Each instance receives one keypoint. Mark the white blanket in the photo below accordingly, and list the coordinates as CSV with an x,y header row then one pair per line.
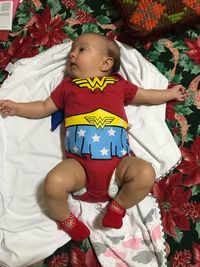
x,y
28,150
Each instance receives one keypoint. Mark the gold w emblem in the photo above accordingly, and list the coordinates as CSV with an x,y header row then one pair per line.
x,y
99,122
98,118
95,83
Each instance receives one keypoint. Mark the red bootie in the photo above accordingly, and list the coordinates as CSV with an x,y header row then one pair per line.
x,y
114,215
74,228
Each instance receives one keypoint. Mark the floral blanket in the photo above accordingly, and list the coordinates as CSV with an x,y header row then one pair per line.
x,y
39,25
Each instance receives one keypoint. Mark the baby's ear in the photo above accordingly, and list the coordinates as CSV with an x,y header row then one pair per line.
x,y
107,64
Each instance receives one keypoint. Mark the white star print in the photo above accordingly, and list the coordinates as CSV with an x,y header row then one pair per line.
x,y
96,138
67,133
104,152
123,152
75,149
111,132
81,132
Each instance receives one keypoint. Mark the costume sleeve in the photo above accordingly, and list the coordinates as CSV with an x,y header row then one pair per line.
x,y
58,94
130,91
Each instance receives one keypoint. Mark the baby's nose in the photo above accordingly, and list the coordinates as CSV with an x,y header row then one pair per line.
x,y
71,54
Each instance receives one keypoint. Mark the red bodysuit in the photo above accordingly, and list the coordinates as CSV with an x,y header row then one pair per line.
x,y
96,127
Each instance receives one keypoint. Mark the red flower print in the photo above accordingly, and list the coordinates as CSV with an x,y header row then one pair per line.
x,y
77,257
90,259
71,4
181,258
191,163
80,258
46,30
171,197
170,112
4,58
20,48
83,17
175,130
192,210
111,35
196,255
59,260
148,45
194,52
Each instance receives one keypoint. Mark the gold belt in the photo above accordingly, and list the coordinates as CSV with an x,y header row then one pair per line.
x,y
98,118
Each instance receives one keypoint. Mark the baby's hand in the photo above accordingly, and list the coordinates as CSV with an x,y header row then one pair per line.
x,y
8,108
179,93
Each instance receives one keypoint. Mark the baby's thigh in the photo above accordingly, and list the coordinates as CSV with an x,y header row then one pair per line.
x,y
67,176
131,168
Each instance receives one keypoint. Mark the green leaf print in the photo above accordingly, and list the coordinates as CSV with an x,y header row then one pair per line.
x,y
55,7
179,236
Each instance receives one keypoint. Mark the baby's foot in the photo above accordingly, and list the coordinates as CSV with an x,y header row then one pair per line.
x,y
114,215
74,228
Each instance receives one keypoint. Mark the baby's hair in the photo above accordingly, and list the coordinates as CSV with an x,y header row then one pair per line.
x,y
113,50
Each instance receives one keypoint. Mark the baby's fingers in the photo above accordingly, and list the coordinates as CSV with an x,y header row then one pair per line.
x,y
4,112
5,108
184,94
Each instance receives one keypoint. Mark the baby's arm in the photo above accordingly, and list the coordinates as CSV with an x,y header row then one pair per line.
x,y
155,97
32,110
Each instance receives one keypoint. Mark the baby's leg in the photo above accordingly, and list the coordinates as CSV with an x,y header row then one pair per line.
x,y
135,177
66,177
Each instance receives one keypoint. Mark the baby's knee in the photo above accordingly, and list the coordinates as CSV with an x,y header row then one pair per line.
x,y
53,185
148,170
147,175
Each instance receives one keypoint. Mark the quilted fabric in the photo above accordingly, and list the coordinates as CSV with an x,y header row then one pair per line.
x,y
144,17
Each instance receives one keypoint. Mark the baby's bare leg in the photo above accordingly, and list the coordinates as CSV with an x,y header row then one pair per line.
x,y
66,177
135,177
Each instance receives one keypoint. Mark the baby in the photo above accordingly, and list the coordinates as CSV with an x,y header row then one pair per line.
x,y
92,98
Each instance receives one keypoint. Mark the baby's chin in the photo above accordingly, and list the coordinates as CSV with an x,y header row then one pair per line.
x,y
73,76
76,75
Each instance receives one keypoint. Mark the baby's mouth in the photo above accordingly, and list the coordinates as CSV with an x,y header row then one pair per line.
x,y
72,64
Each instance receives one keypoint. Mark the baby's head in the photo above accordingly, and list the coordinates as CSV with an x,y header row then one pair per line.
x,y
93,55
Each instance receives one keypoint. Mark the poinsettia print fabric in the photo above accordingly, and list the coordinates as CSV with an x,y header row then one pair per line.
x,y
177,56
41,24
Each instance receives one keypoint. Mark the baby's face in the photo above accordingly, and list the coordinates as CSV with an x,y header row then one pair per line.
x,y
86,57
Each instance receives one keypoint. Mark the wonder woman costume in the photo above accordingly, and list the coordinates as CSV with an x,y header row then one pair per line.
x,y
96,125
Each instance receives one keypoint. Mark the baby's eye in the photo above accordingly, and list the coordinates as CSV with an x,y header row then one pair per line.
x,y
81,49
